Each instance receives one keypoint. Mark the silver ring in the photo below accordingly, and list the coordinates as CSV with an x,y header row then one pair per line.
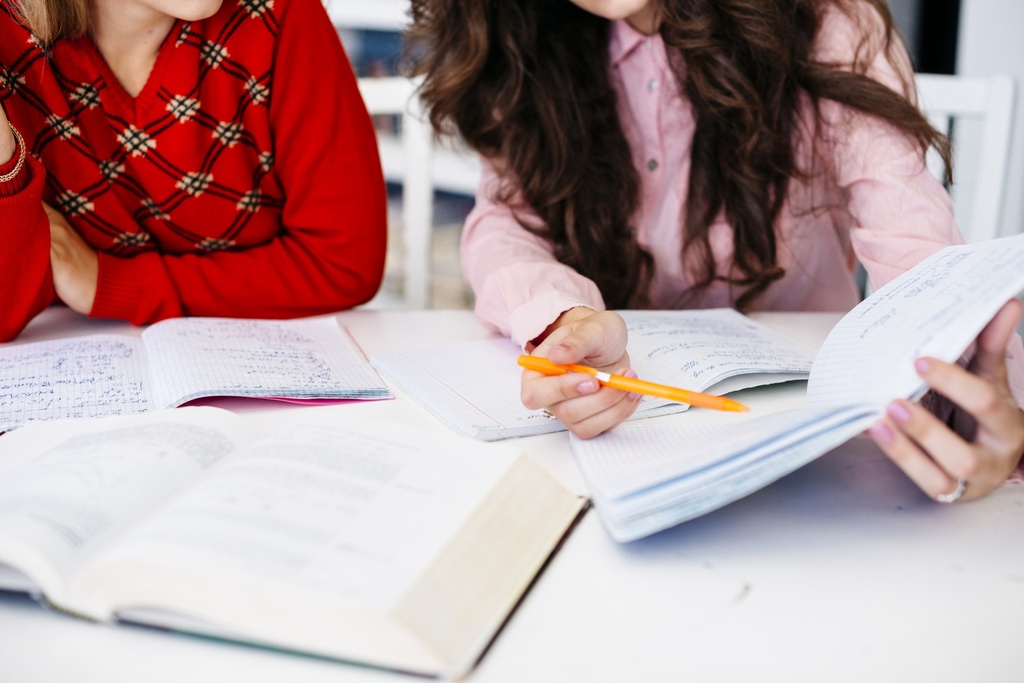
x,y
548,414
956,494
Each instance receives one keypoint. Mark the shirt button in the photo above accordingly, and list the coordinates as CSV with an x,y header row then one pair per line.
x,y
652,164
652,84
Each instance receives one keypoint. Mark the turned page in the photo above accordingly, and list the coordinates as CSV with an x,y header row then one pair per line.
x,y
69,489
326,509
935,309
80,377
313,358
718,349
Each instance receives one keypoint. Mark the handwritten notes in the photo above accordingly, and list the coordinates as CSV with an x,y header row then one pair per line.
x,y
473,387
936,309
649,477
68,378
179,360
697,349
228,357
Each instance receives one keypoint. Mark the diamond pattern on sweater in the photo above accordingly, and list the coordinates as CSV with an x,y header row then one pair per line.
x,y
194,183
136,142
146,168
86,95
256,8
73,204
183,108
63,128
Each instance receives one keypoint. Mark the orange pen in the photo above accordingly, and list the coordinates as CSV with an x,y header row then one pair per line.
x,y
693,398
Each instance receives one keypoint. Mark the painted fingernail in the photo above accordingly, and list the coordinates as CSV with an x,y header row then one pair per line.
x,y
898,412
922,365
881,433
588,386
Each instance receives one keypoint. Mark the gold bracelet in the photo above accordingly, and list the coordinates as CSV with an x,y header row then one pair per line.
x,y
20,141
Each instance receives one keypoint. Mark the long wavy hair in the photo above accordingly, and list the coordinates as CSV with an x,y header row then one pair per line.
x,y
53,19
527,83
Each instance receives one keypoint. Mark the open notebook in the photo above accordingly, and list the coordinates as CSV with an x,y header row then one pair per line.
x,y
473,387
647,477
178,360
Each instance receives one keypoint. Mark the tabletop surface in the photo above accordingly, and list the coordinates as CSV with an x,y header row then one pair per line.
x,y
841,571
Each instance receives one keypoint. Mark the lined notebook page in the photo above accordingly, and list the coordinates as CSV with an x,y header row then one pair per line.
x,y
936,309
311,358
699,349
474,387
79,377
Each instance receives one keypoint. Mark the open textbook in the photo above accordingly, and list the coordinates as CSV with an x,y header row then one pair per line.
x,y
473,387
178,360
355,540
644,478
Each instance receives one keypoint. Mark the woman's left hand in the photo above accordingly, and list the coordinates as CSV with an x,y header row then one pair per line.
x,y
988,441
75,264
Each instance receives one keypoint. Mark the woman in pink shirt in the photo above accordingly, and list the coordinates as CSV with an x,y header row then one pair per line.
x,y
694,153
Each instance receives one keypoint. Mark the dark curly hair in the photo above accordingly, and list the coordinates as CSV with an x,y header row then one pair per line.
x,y
526,82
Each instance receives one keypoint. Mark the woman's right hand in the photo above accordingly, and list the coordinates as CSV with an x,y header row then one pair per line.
x,y
8,146
598,339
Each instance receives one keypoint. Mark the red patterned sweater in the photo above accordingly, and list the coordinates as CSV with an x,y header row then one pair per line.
x,y
242,181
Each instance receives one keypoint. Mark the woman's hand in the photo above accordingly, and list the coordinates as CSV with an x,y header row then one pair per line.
x,y
75,265
8,146
988,440
584,336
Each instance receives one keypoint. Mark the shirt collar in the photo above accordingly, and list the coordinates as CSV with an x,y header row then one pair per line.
x,y
624,40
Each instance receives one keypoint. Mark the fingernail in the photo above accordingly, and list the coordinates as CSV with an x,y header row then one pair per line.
x,y
881,433
588,386
898,412
922,365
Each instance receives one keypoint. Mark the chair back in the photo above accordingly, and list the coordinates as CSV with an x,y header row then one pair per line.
x,y
977,114
407,158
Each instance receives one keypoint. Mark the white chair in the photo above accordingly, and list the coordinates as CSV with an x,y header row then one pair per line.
x,y
977,114
408,159
412,160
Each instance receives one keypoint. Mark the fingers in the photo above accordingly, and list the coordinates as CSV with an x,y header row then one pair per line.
x,y
579,401
927,451
594,423
990,361
598,339
987,400
932,454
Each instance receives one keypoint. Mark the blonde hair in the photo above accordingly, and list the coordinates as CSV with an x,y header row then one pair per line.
x,y
53,19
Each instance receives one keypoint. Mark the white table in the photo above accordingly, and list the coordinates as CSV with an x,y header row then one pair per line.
x,y
841,571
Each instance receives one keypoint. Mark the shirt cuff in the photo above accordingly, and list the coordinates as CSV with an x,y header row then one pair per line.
x,y
528,321
23,179
119,287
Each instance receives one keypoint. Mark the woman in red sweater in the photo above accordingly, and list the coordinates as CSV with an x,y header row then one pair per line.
x,y
162,158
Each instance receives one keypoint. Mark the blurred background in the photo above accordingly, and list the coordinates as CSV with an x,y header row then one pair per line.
x,y
967,37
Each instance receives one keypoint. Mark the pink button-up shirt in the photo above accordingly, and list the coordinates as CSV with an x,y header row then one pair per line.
x,y
868,198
